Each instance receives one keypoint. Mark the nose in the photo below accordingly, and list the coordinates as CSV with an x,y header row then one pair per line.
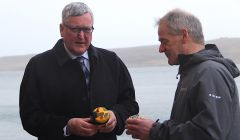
x,y
80,34
161,49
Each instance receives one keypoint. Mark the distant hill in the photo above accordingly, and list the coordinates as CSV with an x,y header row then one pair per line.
x,y
14,62
149,55
140,56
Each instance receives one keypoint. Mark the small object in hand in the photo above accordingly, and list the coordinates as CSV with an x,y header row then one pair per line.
x,y
135,116
100,115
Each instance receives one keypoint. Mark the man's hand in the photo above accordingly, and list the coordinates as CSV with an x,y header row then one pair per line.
x,y
81,127
139,128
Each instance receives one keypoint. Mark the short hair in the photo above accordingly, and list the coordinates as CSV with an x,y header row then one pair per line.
x,y
75,9
178,19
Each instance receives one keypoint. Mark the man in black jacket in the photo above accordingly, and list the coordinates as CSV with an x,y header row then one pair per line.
x,y
58,94
206,103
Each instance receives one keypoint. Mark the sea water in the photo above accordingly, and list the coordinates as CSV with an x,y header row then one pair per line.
x,y
154,86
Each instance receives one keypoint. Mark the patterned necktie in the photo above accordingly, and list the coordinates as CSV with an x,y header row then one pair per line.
x,y
84,68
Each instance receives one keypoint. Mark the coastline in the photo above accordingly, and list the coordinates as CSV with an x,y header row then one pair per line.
x,y
140,56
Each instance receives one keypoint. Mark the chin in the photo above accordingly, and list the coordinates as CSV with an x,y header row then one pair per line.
x,y
169,62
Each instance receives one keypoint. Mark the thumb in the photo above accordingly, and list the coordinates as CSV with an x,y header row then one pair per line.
x,y
87,119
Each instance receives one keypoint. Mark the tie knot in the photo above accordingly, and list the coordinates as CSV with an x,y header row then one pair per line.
x,y
81,59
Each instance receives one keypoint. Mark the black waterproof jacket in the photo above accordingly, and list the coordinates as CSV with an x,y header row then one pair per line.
x,y
206,104
53,90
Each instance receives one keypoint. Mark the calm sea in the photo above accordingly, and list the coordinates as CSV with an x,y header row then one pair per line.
x,y
155,87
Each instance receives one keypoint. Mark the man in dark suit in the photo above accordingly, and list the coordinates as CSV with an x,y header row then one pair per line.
x,y
58,94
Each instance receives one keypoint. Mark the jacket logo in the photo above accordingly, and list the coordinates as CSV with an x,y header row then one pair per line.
x,y
215,96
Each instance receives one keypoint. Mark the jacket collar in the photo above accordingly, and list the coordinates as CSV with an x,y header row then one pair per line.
x,y
62,56
93,55
211,52
60,52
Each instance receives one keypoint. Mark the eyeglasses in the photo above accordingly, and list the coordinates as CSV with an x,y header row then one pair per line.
x,y
86,30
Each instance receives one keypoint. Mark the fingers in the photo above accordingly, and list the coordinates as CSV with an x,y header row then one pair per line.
x,y
86,119
81,127
84,127
139,128
133,133
134,120
110,125
112,122
135,137
87,130
133,127
133,124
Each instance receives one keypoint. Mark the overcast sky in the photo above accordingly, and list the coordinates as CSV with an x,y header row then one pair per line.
x,y
30,26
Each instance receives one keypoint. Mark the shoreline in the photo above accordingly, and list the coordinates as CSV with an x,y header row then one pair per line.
x,y
135,57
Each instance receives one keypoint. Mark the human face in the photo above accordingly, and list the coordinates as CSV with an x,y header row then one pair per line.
x,y
77,33
169,44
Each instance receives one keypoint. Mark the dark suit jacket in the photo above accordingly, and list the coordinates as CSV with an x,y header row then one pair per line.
x,y
53,90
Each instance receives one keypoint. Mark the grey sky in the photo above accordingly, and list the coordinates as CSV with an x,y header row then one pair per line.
x,y
29,26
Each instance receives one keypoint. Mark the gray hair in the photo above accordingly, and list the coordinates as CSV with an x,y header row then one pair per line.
x,y
75,9
178,19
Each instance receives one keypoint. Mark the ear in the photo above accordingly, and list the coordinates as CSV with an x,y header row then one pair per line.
x,y
185,35
61,28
